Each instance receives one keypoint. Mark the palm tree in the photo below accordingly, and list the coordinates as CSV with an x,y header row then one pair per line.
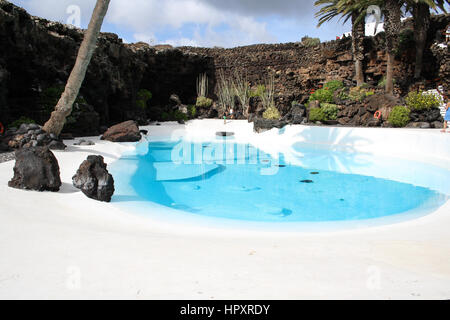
x,y
421,14
348,9
392,26
64,107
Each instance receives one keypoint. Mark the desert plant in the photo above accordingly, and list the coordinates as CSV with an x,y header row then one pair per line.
x,y
382,82
322,95
330,111
225,93
310,42
399,116
359,93
267,98
272,113
202,85
258,91
242,91
421,101
143,96
203,102
316,114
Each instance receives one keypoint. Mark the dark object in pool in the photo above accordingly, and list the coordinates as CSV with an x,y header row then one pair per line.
x,y
341,200
314,172
144,132
281,166
224,134
307,181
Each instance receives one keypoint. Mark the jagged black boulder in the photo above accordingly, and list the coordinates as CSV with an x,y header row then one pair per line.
x,y
37,169
93,179
261,124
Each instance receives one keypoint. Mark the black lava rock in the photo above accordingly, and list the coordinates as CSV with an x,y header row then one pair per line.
x,y
37,169
93,179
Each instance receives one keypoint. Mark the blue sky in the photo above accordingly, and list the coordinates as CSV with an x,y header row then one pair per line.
x,y
198,22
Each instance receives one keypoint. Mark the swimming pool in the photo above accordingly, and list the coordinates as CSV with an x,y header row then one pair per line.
x,y
226,179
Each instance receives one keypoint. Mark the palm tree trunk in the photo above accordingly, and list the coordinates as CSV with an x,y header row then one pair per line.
x,y
64,107
421,13
392,28
358,33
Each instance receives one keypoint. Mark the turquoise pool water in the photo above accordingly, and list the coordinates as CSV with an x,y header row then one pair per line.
x,y
223,179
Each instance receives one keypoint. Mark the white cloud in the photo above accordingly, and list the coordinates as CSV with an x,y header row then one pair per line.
x,y
143,19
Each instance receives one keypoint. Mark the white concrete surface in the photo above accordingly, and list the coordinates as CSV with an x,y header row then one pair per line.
x,y
64,245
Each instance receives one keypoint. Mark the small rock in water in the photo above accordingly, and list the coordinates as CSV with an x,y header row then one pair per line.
x,y
307,181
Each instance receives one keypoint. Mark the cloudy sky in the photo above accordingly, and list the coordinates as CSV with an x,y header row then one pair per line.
x,y
224,23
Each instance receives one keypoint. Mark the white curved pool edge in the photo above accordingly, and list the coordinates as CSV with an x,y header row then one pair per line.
x,y
277,141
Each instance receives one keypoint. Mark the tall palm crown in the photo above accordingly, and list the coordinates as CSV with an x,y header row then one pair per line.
x,y
348,9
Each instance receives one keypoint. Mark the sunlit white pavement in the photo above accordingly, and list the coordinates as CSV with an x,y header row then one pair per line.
x,y
64,245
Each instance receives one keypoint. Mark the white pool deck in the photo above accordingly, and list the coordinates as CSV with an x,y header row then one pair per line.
x,y
66,246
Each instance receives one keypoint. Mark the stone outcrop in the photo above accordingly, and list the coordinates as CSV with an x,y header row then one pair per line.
x,y
38,55
32,135
93,179
127,131
37,169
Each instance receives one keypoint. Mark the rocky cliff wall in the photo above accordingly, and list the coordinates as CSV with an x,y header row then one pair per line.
x,y
37,55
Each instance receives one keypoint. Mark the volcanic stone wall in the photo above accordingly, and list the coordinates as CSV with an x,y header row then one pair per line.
x,y
37,54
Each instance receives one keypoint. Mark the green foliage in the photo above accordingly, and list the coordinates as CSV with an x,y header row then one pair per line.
x,y
317,114
405,41
272,113
203,102
192,111
178,115
360,93
143,96
399,116
333,85
258,91
21,120
330,111
322,95
49,98
382,82
174,116
421,101
310,42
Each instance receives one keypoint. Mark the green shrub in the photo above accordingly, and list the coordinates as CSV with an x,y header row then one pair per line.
x,y
310,42
421,101
192,111
360,93
143,96
316,114
178,115
21,120
203,102
330,110
333,85
258,91
399,116
322,95
272,113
